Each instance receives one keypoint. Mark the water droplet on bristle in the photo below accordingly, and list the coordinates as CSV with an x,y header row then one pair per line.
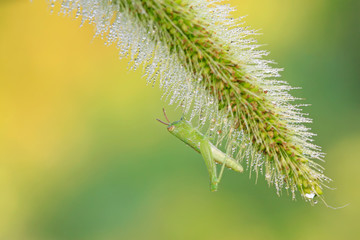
x,y
310,195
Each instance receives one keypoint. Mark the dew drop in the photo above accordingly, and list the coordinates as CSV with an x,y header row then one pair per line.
x,y
310,196
268,176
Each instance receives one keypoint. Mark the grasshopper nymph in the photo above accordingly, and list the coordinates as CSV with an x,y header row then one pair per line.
x,y
183,130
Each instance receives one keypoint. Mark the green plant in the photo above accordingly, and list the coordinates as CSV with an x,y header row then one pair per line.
x,y
208,63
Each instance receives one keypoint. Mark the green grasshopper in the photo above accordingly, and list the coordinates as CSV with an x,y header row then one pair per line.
x,y
183,130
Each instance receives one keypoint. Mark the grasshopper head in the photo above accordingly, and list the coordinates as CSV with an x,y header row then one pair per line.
x,y
174,126
177,126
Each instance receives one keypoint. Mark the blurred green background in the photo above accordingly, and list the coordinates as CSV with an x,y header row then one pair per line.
x,y
82,157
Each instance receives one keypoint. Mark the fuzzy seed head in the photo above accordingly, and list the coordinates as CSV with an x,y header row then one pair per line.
x,y
208,64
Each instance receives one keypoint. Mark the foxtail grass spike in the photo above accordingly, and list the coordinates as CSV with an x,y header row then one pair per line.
x,y
209,64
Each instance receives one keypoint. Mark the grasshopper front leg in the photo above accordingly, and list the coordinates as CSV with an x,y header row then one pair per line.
x,y
205,150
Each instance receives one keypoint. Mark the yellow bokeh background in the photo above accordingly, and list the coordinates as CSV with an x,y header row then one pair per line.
x,y
82,157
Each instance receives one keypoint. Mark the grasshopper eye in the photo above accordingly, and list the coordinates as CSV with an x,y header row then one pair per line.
x,y
171,128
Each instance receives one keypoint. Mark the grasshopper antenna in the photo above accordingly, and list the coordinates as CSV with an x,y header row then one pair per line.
x,y
162,122
167,124
165,115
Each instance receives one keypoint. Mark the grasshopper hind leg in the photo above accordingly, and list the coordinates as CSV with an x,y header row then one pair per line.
x,y
214,184
205,149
